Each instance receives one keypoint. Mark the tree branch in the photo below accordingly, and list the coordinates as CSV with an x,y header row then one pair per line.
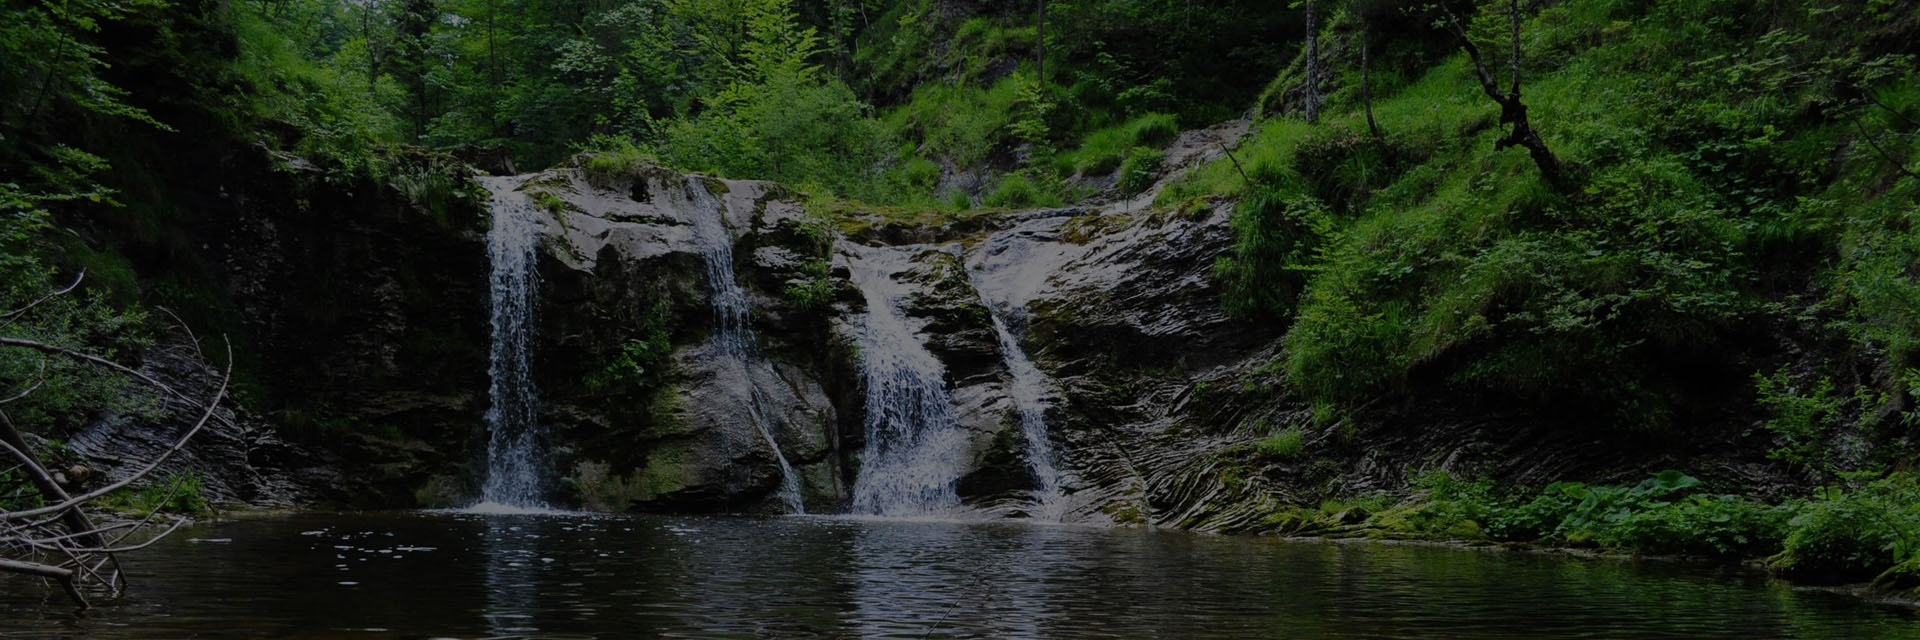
x,y
211,406
1884,154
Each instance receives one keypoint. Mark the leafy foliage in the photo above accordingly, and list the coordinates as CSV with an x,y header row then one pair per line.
x,y
1288,444
1854,534
1435,266
640,361
179,493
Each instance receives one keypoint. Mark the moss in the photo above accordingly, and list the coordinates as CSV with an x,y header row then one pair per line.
x,y
1084,229
440,492
599,490
551,203
665,473
1125,512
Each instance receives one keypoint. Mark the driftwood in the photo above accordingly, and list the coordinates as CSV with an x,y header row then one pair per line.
x,y
59,542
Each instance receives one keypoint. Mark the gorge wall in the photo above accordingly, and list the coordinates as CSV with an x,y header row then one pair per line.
x,y
922,358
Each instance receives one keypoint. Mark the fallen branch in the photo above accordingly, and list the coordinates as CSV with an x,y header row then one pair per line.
x,y
57,541
211,407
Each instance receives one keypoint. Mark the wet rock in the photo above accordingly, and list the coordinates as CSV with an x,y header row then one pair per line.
x,y
622,268
239,459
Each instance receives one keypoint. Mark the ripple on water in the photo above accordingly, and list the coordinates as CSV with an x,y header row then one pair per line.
x,y
470,576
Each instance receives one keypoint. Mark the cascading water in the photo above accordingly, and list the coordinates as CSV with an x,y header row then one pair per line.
x,y
1009,269
516,446
914,442
1031,393
733,338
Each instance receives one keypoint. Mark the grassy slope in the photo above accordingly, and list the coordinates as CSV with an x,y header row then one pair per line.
x,y
1736,255
1718,198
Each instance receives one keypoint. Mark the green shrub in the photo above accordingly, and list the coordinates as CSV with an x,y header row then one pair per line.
x,y
1441,507
1153,130
1806,416
1102,151
552,204
815,291
608,160
1702,525
640,360
963,123
1288,444
1660,515
1453,505
1853,535
180,493
1276,240
1540,517
1014,191
920,172
1139,169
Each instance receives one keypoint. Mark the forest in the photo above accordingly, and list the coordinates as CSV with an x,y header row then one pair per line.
x,y
1616,278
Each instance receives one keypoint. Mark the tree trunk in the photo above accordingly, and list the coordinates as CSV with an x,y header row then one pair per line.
x,y
75,520
1366,81
493,65
1313,62
1513,112
1040,43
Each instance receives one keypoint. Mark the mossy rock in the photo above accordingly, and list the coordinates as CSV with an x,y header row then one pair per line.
x,y
667,472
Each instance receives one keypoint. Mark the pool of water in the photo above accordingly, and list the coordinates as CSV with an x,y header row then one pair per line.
x,y
434,575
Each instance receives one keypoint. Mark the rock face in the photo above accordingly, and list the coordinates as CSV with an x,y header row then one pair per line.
x,y
358,324
1071,364
237,457
628,359
634,385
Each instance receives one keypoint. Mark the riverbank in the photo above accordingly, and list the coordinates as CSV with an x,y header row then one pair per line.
x,y
1854,539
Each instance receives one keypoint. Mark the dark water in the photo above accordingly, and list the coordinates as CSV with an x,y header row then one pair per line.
x,y
462,576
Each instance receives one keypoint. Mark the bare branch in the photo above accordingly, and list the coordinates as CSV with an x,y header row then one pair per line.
x,y
1480,72
57,574
148,543
1884,154
42,379
90,532
1513,19
8,317
182,325
211,407
86,561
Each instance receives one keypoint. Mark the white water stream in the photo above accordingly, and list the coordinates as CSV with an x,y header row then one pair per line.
x,y
733,339
516,447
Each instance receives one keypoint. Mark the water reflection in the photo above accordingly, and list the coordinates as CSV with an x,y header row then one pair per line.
x,y
469,576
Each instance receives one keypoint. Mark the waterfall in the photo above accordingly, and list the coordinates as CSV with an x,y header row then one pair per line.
x,y
1030,390
1010,269
733,338
914,444
516,445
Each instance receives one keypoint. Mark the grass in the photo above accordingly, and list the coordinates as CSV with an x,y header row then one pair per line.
x,y
178,494
1844,535
1428,249
1102,151
1288,444
1140,168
